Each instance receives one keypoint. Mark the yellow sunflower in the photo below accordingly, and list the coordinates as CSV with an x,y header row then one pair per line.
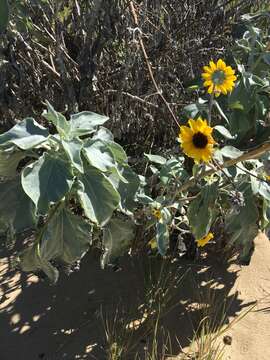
x,y
219,78
203,241
156,213
196,140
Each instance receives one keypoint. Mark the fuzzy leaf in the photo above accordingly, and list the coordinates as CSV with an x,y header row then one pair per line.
x,y
46,181
97,195
242,226
99,155
118,152
26,135
157,159
85,122
260,187
162,235
224,132
59,120
9,161
127,189
67,237
201,211
73,150
117,237
16,208
103,134
230,152
30,260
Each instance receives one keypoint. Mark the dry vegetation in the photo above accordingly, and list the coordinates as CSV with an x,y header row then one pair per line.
x,y
86,55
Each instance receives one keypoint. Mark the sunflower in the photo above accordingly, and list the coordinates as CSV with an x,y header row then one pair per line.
x,y
203,241
196,140
219,78
156,213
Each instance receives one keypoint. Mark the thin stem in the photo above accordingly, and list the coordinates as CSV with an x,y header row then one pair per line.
x,y
252,154
211,106
251,174
223,172
146,58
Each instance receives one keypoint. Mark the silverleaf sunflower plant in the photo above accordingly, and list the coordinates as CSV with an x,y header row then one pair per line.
x,y
216,190
65,191
73,189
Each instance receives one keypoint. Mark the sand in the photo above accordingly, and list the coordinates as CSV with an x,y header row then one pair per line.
x,y
64,321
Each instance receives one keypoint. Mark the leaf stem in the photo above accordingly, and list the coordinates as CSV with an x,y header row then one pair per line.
x,y
211,106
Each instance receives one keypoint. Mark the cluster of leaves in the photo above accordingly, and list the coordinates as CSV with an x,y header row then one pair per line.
x,y
68,186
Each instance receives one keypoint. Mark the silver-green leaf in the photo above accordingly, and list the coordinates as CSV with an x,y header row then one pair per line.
x,y
85,122
97,195
73,149
9,161
26,135
162,236
46,181
117,237
59,120
99,155
16,208
201,211
67,237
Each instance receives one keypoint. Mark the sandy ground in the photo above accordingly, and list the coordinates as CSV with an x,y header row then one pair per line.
x,y
41,321
251,335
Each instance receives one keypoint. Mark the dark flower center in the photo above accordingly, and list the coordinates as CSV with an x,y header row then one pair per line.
x,y
200,140
218,77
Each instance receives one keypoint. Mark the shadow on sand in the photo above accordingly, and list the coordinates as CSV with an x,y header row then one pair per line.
x,y
62,321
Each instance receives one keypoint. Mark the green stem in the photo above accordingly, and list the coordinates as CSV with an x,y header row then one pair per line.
x,y
211,106
252,154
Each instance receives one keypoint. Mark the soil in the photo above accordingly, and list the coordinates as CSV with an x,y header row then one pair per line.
x,y
66,320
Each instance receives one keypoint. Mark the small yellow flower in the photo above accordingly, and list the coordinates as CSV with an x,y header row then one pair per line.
x,y
203,241
267,177
156,213
153,244
219,78
196,140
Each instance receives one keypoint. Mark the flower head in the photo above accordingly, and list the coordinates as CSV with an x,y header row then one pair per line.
x,y
156,213
219,78
153,244
196,140
203,241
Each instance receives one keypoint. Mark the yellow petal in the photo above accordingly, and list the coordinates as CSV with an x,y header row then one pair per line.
x,y
229,71
212,65
221,65
203,241
210,89
193,125
207,69
206,76
185,134
223,89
